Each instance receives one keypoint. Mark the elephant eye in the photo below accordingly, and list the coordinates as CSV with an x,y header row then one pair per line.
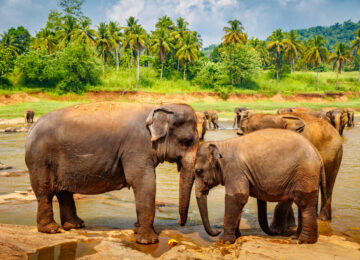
x,y
187,142
199,172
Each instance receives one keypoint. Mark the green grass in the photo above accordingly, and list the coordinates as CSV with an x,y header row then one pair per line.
x,y
40,108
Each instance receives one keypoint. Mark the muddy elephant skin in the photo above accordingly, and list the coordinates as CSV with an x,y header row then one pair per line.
x,y
29,116
105,146
322,135
201,124
212,118
252,165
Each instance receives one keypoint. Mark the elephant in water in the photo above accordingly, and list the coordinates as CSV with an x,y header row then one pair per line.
x,y
212,118
201,124
337,118
350,113
29,116
237,115
105,146
322,135
254,165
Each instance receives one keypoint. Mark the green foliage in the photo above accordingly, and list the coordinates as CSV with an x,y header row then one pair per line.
x,y
18,38
211,75
6,60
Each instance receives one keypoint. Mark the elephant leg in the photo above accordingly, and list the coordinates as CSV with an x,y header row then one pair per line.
x,y
308,228
299,228
279,223
234,205
68,216
144,191
45,215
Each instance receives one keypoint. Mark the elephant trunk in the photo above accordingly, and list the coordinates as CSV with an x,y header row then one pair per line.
x,y
202,204
262,217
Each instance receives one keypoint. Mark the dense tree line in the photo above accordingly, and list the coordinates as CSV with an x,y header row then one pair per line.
x,y
70,53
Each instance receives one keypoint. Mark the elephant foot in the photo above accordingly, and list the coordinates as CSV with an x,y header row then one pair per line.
x,y
278,229
303,239
146,236
237,233
227,239
73,223
324,215
136,228
51,228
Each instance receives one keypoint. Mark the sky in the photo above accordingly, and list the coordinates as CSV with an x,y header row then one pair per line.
x,y
208,17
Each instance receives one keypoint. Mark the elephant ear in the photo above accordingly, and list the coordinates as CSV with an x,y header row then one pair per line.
x,y
294,123
216,155
158,122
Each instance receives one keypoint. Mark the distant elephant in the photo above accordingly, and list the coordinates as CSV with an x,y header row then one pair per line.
x,y
254,165
350,113
201,124
100,147
237,116
337,118
212,118
29,116
321,134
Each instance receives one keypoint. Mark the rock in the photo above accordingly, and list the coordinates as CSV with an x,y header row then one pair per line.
x,y
15,129
4,167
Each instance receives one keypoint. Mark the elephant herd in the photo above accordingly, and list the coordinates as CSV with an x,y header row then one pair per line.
x,y
99,147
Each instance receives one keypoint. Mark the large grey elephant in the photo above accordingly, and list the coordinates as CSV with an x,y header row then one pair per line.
x,y
100,147
322,135
255,165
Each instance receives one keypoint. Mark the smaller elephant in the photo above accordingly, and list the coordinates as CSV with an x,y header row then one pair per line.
x,y
237,115
337,118
29,116
201,124
212,118
350,114
253,166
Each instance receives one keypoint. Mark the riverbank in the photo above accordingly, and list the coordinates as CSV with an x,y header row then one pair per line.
x,y
19,242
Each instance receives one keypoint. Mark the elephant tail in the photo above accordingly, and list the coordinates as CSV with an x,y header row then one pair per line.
x,y
262,217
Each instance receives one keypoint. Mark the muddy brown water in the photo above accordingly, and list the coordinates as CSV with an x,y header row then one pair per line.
x,y
117,209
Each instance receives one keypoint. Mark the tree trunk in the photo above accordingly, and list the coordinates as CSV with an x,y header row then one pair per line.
x,y
277,65
337,78
178,66
359,72
317,76
117,58
138,67
292,65
162,67
185,71
102,63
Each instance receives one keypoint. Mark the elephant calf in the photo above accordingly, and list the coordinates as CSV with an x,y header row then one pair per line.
x,y
201,124
29,116
255,165
212,118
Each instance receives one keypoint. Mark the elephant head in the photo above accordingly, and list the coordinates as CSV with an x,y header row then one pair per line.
x,y
338,119
284,110
350,114
208,174
175,139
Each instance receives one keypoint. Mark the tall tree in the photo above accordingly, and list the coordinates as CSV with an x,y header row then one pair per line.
x,y
161,42
68,29
131,22
293,47
316,53
355,45
103,43
139,37
83,33
17,39
166,23
115,39
233,35
277,43
72,7
179,32
45,40
189,50
341,56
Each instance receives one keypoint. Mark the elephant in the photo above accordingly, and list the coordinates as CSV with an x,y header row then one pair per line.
x,y
29,116
212,118
254,165
322,135
350,114
337,118
201,124
293,109
99,147
237,115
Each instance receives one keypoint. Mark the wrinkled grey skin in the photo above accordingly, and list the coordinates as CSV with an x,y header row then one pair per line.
x,y
237,115
29,116
212,118
100,147
254,165
350,113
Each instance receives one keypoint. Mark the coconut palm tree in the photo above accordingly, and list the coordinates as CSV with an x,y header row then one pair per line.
x,y
355,45
181,29
293,47
138,39
103,42
115,39
341,56
189,50
277,43
84,34
127,41
161,42
45,40
165,22
67,31
316,53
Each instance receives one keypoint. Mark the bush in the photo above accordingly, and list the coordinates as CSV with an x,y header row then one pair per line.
x,y
211,74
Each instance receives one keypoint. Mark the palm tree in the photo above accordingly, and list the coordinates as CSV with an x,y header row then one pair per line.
x,y
67,31
355,45
233,35
139,37
316,53
131,22
161,42
84,34
103,42
341,56
115,40
165,23
189,50
45,40
293,48
277,43
181,29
